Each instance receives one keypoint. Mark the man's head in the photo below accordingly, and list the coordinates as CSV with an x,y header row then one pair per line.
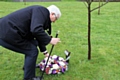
x,y
54,12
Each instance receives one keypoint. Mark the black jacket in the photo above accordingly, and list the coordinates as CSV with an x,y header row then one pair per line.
x,y
25,25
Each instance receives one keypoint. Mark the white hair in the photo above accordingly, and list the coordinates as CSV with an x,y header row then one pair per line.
x,y
54,9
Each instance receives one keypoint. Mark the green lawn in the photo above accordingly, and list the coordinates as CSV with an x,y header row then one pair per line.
x,y
105,38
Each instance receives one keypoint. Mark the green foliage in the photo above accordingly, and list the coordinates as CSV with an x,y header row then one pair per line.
x,y
105,37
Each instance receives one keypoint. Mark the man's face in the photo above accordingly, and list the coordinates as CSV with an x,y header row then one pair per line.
x,y
53,17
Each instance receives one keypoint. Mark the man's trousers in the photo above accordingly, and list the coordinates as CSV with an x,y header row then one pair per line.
x,y
30,53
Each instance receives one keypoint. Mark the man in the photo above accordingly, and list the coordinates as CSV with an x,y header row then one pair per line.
x,y
23,30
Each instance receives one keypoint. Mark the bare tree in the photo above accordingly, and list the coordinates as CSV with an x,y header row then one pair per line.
x,y
101,3
24,2
88,5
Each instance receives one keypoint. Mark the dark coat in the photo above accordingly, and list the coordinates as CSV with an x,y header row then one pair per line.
x,y
24,25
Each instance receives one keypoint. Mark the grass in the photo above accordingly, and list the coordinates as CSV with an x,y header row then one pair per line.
x,y
105,38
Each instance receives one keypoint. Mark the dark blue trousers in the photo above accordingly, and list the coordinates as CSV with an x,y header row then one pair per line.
x,y
30,56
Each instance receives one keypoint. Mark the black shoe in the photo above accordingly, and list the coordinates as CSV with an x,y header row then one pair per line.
x,y
35,78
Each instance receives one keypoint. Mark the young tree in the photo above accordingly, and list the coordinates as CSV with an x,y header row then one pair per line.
x,y
101,3
24,2
88,5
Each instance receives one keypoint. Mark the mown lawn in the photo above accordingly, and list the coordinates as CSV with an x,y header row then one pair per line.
x,y
105,39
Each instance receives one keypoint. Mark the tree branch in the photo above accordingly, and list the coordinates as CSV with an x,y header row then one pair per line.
x,y
87,1
99,6
85,4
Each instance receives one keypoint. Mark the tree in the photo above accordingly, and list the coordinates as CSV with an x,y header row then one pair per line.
x,y
88,5
101,4
24,2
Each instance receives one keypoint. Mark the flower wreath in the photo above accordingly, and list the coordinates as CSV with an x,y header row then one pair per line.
x,y
56,64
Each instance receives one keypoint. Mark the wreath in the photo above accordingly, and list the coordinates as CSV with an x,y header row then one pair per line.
x,y
56,64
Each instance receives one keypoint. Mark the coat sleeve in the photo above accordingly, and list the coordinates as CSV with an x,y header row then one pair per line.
x,y
37,27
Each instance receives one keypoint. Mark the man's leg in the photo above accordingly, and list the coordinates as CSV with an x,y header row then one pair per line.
x,y
30,63
30,57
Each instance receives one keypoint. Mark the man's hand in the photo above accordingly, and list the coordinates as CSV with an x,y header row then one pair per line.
x,y
54,41
46,55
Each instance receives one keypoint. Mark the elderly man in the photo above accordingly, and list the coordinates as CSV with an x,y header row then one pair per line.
x,y
25,29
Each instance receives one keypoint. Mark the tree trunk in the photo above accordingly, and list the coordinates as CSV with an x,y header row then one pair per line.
x,y
24,2
99,8
89,31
